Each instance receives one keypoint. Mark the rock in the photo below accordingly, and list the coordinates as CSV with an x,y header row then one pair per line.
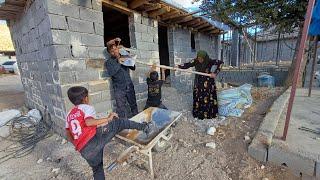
x,y
211,145
265,179
63,141
211,131
194,151
39,161
262,166
49,159
57,138
55,170
247,138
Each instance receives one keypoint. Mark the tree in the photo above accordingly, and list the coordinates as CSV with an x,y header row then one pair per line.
x,y
283,15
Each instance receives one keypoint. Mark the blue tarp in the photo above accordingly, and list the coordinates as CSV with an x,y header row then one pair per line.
x,y
314,28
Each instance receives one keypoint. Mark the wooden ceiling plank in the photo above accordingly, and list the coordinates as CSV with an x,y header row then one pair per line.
x,y
207,29
137,3
118,7
182,19
158,12
122,3
202,26
153,7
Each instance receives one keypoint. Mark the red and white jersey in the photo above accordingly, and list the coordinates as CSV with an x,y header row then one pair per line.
x,y
75,123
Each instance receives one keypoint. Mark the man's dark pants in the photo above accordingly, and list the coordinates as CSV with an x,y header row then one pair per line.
x,y
93,150
123,96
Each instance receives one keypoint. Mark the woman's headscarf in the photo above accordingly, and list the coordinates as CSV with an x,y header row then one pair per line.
x,y
201,67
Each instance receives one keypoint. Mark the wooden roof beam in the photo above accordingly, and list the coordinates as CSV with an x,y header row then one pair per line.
x,y
215,31
199,23
207,29
206,24
118,7
192,22
120,2
153,7
185,19
158,12
137,3
171,15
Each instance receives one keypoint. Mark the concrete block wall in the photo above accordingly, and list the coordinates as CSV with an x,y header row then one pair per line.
x,y
180,52
37,62
267,50
144,38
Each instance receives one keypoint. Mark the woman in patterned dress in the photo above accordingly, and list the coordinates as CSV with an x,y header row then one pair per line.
x,y
205,104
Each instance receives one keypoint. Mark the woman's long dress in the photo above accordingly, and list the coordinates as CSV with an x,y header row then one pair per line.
x,y
205,104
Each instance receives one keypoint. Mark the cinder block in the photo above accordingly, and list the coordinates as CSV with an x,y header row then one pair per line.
x,y
95,97
147,38
141,28
72,65
318,169
44,26
91,15
62,8
60,37
58,22
88,75
98,29
67,77
105,106
83,3
97,5
92,40
96,52
65,87
106,95
101,85
77,25
62,51
78,51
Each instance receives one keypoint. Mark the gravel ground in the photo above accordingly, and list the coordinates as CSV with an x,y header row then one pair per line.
x,y
187,157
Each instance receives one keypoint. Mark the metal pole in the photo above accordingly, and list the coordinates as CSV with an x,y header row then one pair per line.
x,y
313,64
255,47
278,45
297,68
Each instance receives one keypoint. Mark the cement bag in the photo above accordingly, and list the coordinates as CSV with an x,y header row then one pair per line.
x,y
231,102
34,115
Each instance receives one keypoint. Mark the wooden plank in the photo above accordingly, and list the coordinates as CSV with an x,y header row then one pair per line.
x,y
215,31
185,19
153,7
158,12
200,23
169,14
10,7
202,26
192,22
122,3
118,7
137,3
207,29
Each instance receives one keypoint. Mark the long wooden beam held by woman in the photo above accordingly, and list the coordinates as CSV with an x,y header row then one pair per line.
x,y
175,69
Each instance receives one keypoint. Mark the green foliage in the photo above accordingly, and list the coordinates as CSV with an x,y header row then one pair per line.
x,y
284,15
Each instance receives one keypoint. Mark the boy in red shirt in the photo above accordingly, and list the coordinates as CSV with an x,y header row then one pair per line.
x,y
88,134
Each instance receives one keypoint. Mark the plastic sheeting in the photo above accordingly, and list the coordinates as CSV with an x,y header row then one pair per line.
x,y
232,102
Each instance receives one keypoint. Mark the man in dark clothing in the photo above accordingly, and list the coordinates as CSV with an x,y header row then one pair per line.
x,y
122,84
154,91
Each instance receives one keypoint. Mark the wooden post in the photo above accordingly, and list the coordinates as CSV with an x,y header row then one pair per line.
x,y
313,64
278,45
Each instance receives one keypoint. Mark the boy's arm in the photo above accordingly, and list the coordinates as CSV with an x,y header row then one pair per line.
x,y
69,135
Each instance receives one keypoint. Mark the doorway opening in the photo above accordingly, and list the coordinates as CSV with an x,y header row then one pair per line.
x,y
116,24
164,50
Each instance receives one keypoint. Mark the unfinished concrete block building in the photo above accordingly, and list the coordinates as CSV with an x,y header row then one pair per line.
x,y
59,44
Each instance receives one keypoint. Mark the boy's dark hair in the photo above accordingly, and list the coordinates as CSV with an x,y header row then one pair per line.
x,y
76,94
154,76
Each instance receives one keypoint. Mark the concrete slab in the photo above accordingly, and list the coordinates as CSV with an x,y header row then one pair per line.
x,y
301,150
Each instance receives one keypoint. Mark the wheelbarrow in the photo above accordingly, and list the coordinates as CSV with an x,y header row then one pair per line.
x,y
142,145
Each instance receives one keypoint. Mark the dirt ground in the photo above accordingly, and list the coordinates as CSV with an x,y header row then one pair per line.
x,y
187,157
